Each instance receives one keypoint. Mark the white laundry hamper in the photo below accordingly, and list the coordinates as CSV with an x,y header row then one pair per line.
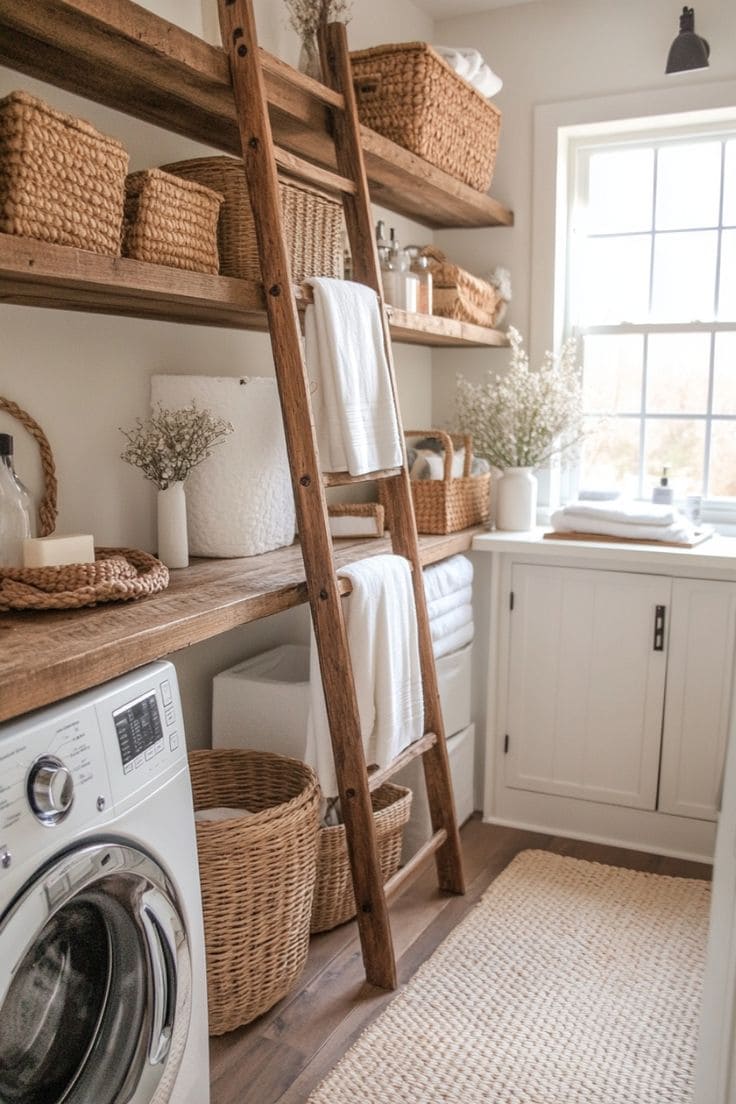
x,y
239,500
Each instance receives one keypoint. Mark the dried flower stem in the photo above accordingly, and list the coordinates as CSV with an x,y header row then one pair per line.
x,y
172,442
307,16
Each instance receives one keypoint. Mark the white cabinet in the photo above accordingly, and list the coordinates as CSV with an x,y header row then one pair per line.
x,y
607,672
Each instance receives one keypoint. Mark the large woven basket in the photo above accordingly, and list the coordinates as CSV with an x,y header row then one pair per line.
x,y
257,875
460,295
312,221
447,505
170,221
61,181
334,902
408,93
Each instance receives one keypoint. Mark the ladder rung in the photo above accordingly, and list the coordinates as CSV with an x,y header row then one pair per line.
x,y
344,479
395,884
314,174
419,747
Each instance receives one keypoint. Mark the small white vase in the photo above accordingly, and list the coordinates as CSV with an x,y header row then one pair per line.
x,y
309,59
173,544
516,500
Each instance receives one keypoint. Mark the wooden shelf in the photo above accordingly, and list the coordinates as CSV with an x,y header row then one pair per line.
x,y
48,656
34,273
121,55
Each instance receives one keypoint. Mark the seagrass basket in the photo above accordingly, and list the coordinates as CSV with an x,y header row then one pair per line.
x,y
460,295
170,221
257,876
408,93
449,504
61,181
312,221
334,902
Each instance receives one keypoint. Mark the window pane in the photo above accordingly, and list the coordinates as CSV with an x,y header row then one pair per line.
x,y
677,373
688,185
729,185
727,289
610,456
679,445
724,377
620,191
722,460
684,276
612,367
613,285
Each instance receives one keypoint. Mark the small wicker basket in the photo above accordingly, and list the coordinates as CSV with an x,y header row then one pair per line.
x,y
61,181
312,221
408,93
460,295
170,221
257,876
334,902
447,505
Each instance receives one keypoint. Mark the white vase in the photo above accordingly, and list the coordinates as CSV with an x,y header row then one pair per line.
x,y
173,545
516,500
309,59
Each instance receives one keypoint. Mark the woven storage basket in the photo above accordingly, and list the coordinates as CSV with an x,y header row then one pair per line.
x,y
312,221
446,505
257,875
460,295
408,93
170,221
334,902
61,181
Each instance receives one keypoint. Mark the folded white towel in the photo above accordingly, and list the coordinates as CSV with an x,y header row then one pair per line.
x,y
623,511
354,409
681,531
453,642
447,576
450,622
448,602
220,813
381,625
470,64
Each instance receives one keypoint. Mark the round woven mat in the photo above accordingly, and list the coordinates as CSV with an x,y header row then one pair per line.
x,y
118,574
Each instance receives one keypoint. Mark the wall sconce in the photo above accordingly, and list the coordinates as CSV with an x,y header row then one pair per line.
x,y
688,51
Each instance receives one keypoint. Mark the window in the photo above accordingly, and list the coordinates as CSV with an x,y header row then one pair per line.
x,y
651,292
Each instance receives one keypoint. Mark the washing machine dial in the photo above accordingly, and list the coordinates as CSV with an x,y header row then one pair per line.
x,y
50,789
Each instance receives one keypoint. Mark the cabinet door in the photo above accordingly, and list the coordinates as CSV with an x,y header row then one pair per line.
x,y
586,686
699,677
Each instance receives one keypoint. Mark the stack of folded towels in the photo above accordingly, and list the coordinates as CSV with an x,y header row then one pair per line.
x,y
625,518
448,587
472,66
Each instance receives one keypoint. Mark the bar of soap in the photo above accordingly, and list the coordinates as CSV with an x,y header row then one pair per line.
x,y
55,551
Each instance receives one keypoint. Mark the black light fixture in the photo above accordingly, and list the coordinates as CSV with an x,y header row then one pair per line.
x,y
688,51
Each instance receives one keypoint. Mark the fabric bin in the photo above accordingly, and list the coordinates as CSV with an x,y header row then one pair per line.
x,y
263,702
313,221
410,94
61,181
257,875
239,500
170,221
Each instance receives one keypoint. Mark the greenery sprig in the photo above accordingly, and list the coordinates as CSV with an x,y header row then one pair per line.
x,y
169,444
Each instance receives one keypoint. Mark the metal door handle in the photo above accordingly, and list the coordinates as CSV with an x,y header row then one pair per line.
x,y
659,621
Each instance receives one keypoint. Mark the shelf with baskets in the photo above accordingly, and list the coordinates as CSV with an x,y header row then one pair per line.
x,y
47,656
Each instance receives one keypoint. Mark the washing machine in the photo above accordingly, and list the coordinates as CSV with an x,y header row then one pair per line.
x,y
103,997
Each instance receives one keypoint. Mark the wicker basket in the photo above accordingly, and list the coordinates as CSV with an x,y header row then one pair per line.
x,y
170,221
312,221
257,875
61,181
408,93
334,902
446,505
460,295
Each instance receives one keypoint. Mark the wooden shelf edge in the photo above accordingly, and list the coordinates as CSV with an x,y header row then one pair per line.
x,y
45,657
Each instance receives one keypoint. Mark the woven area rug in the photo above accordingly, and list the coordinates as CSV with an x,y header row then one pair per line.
x,y
570,982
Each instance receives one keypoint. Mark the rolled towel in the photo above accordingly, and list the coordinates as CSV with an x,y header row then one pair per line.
x,y
440,606
220,813
447,576
469,64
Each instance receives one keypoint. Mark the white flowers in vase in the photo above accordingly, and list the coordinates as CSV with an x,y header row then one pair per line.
x,y
172,442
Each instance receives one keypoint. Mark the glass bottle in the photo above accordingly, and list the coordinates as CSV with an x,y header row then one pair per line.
x,y
15,520
420,268
6,458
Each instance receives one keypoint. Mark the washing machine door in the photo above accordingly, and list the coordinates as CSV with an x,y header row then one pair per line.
x,y
95,982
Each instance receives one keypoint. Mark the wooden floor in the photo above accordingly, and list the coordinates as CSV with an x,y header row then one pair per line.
x,y
284,1054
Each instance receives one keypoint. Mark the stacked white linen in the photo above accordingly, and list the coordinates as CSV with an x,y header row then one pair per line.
x,y
624,518
469,64
448,587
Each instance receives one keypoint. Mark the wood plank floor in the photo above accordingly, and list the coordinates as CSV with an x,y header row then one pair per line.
x,y
285,1053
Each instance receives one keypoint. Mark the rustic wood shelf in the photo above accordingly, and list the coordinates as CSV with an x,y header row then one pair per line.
x,y
48,656
34,273
130,59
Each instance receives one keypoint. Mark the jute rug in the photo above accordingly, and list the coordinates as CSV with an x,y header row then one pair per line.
x,y
569,983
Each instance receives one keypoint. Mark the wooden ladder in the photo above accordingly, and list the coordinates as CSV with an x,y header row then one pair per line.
x,y
261,159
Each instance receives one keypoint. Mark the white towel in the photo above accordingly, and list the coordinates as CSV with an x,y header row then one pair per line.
x,y
221,812
624,511
440,606
354,409
470,64
453,642
450,622
681,531
447,576
381,625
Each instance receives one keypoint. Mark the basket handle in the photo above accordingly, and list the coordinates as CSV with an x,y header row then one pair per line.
x,y
47,505
368,86
448,448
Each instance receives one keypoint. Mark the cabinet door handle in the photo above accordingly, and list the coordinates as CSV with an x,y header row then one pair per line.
x,y
659,615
